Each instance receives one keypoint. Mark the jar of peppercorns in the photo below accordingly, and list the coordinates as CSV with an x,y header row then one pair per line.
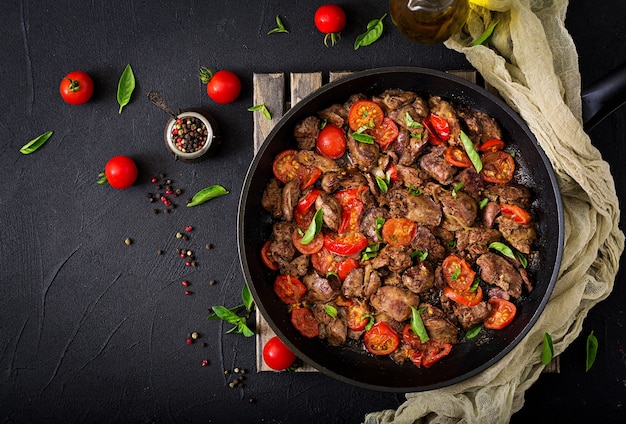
x,y
191,136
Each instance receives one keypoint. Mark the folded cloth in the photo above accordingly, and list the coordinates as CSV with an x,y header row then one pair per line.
x,y
532,62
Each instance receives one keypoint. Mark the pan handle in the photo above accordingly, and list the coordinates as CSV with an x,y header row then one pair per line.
x,y
603,97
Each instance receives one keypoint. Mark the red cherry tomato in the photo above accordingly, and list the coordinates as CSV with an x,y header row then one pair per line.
x,y
381,339
222,87
399,231
269,262
289,289
304,321
286,166
457,273
331,142
502,313
491,145
457,157
307,249
345,267
498,167
516,213
386,133
276,355
76,88
357,316
365,113
323,261
464,297
441,126
346,244
120,172
330,19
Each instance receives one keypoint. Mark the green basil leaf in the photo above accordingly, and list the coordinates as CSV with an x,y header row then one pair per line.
x,y
483,203
456,274
363,138
263,110
35,143
473,332
280,27
410,122
452,244
417,325
475,284
226,314
547,350
244,329
415,191
125,87
456,189
331,310
246,296
592,350
382,184
373,33
207,194
468,144
370,323
486,35
314,227
370,252
380,221
502,248
422,255
522,259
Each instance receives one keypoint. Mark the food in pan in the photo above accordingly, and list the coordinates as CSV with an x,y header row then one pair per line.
x,y
398,226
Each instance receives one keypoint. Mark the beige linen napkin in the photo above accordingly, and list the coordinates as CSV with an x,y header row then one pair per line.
x,y
532,62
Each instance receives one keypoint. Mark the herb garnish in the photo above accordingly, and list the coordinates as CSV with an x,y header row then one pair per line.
x,y
373,33
35,143
207,194
547,351
280,27
331,311
232,315
473,332
314,227
125,87
592,350
263,110
473,155
486,35
417,325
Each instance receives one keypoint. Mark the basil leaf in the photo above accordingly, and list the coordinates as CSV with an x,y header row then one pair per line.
x,y
370,252
263,110
502,248
382,184
380,221
483,203
417,325
280,27
421,255
227,315
592,350
456,274
473,332
456,189
207,194
410,122
522,259
486,35
373,33
125,87
363,138
331,310
314,227
370,323
246,296
415,191
468,144
35,143
547,351
244,329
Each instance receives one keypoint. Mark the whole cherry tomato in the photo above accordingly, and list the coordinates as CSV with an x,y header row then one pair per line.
x,y
120,172
330,19
76,88
222,87
332,142
276,355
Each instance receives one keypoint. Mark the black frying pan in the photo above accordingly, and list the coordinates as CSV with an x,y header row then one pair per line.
x,y
469,357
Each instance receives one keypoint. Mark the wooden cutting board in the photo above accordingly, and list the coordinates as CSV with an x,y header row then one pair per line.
x,y
270,89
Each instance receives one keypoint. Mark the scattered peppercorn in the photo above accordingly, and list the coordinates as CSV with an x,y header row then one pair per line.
x,y
205,362
204,344
185,283
252,400
155,211
159,252
212,282
189,341
208,246
188,292
194,335
188,228
128,242
179,235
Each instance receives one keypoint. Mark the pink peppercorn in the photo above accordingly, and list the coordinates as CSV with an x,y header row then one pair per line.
x,y
205,362
188,228
187,292
189,341
185,283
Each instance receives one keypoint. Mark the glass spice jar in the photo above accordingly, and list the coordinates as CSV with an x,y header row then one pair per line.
x,y
428,21
191,135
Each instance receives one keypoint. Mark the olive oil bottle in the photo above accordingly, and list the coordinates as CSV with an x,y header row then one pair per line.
x,y
428,21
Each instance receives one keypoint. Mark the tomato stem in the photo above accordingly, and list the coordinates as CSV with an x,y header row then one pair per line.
x,y
334,38
205,75
74,85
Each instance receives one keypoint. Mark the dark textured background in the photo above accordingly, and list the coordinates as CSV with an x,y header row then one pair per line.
x,y
92,330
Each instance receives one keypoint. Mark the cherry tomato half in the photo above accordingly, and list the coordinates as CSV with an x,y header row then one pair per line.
x,y
289,289
357,316
491,145
265,257
76,88
323,261
464,297
331,142
365,113
346,244
345,267
516,213
386,133
120,172
458,273
498,167
456,156
381,339
330,19
427,353
440,125
399,231
307,249
304,321
502,313
224,87
277,355
286,166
